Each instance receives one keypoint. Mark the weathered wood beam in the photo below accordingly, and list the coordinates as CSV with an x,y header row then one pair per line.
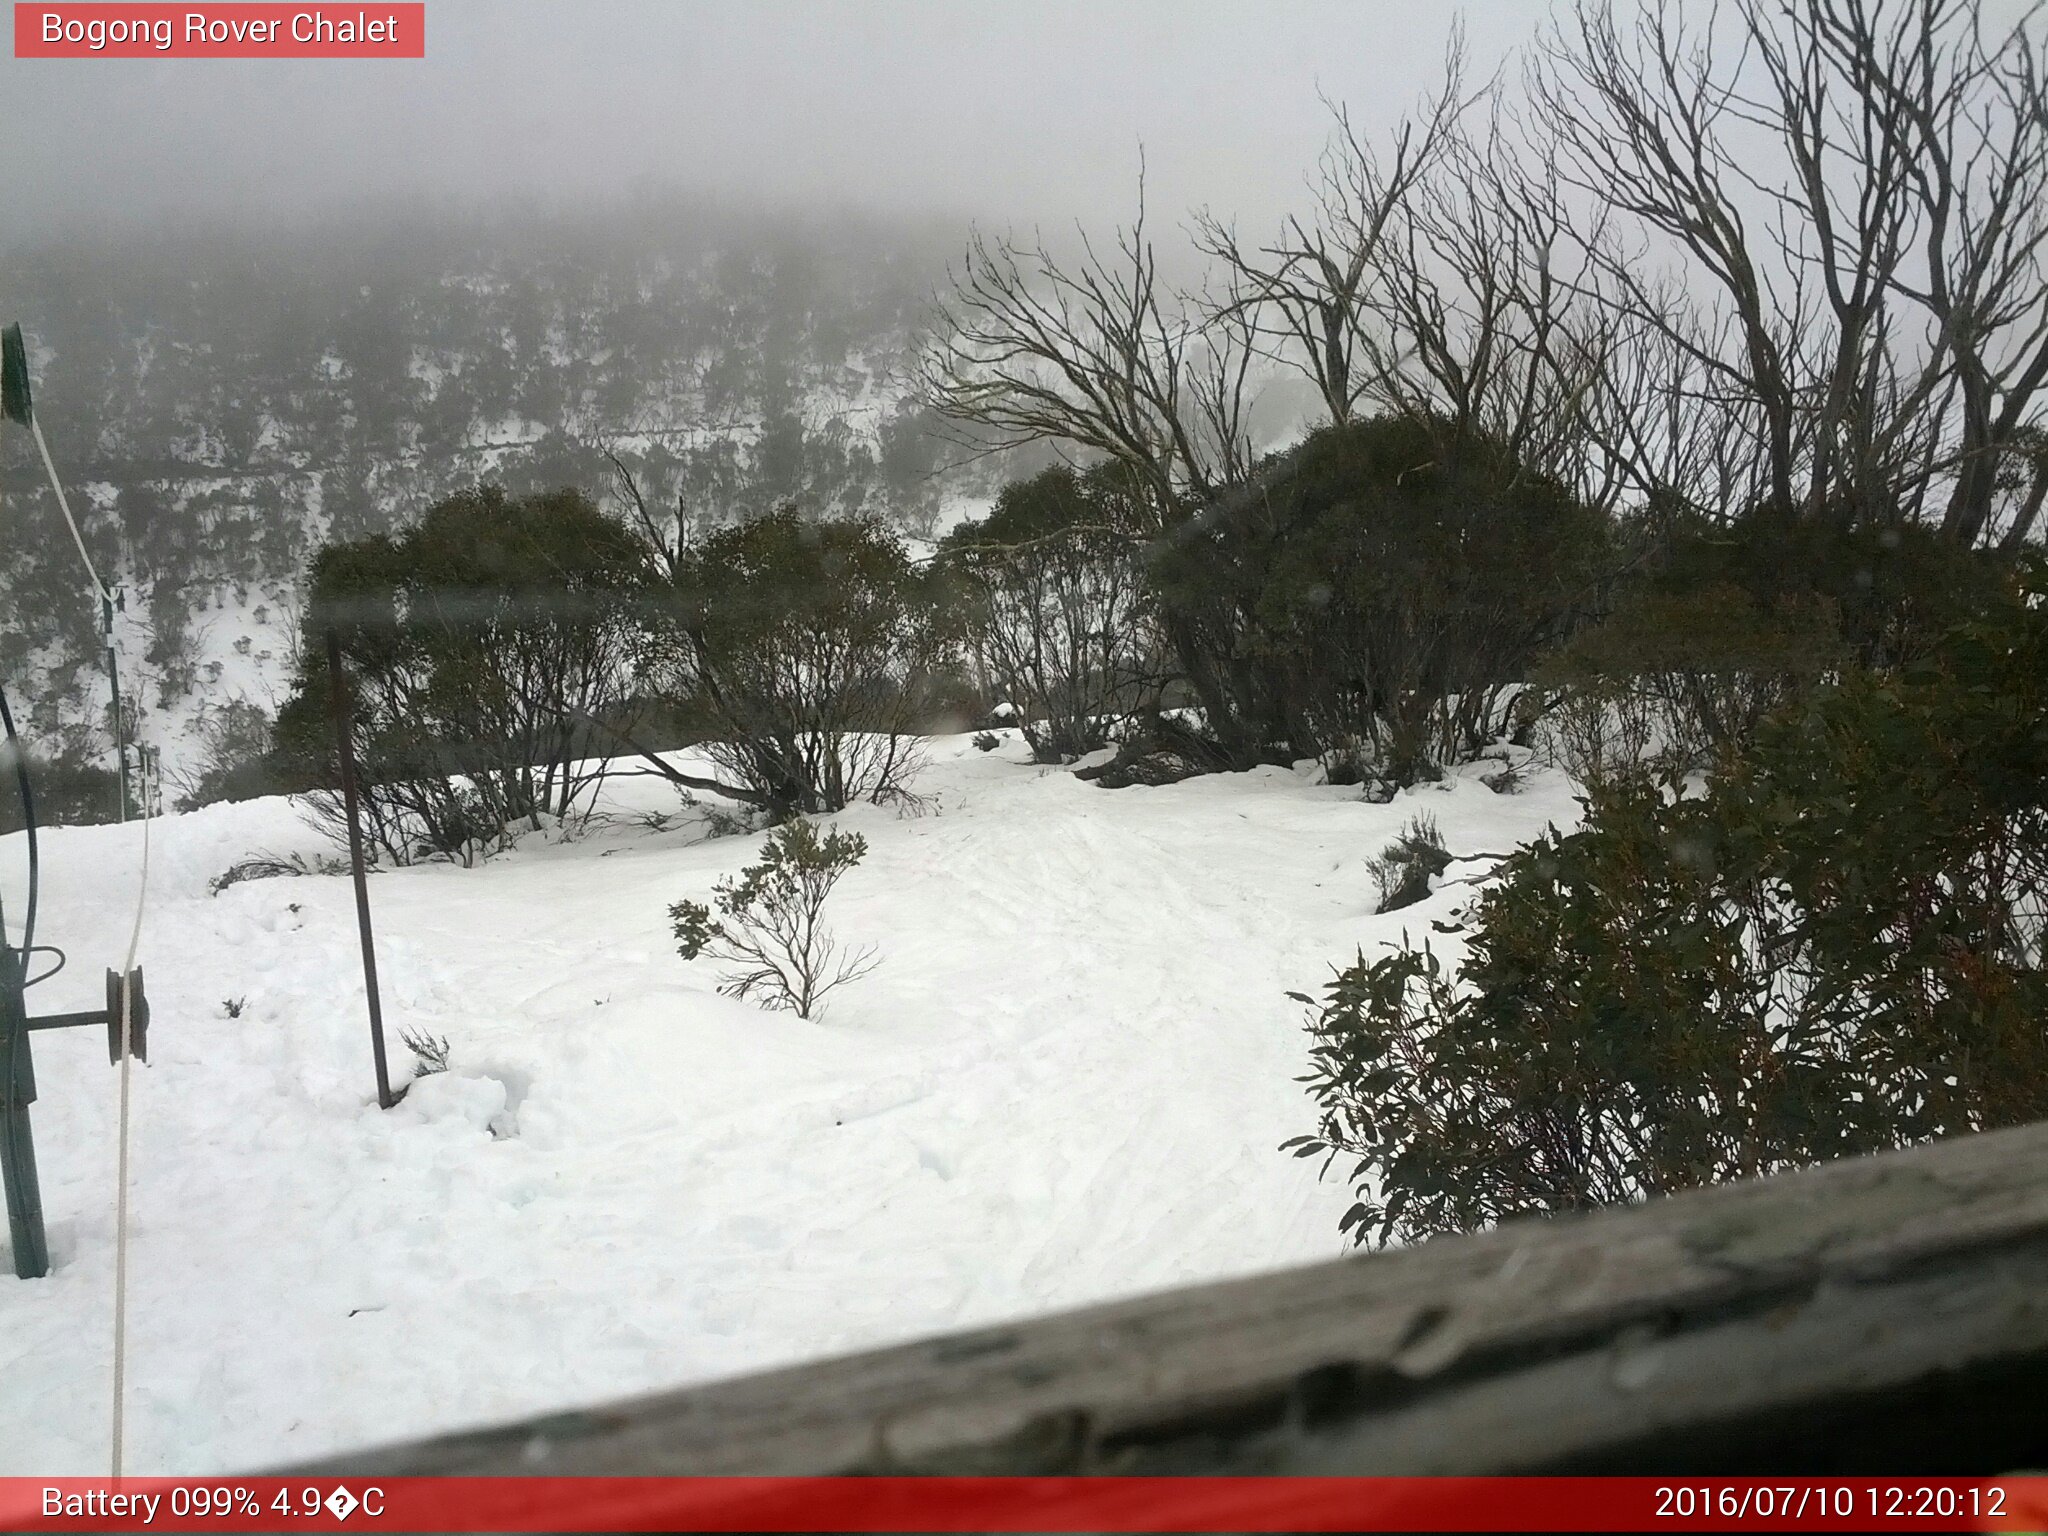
x,y
1885,1314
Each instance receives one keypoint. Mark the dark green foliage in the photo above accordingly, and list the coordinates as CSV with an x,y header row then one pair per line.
x,y
1373,603
481,647
1057,610
70,790
1837,948
1893,587
768,921
807,649
1675,678
1719,625
1404,868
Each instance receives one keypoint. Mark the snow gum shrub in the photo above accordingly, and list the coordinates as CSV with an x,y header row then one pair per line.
x,y
71,790
480,646
1404,869
807,649
1721,625
1055,607
767,923
1379,594
1836,948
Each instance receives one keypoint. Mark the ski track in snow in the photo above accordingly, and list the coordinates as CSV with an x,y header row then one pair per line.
x,y
1066,1082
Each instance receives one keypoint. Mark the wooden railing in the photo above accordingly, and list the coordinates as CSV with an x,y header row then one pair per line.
x,y
1881,1315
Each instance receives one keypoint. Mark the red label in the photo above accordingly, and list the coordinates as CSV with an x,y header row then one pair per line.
x,y
1047,1504
243,31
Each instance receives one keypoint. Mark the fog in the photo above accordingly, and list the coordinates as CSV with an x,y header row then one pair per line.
x,y
1015,109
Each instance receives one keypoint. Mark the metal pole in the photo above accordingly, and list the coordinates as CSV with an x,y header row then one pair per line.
x,y
17,1146
338,700
114,684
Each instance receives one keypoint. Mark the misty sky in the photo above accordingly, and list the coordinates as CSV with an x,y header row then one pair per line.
x,y
1026,109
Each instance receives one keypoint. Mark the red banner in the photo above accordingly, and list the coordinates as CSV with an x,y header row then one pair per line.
x,y
1053,1504
116,31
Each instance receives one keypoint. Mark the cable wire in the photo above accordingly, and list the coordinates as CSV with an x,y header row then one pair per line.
x,y
121,1157
134,938
35,426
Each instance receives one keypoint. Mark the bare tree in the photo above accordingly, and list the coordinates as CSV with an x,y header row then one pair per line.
x,y
1099,354
1103,357
1855,198
1309,293
664,546
1486,333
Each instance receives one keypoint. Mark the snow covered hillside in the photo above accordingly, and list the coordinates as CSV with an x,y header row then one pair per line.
x,y
1066,1082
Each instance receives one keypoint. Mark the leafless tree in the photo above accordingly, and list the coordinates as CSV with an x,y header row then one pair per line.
x,y
1486,332
1309,293
1100,354
1854,196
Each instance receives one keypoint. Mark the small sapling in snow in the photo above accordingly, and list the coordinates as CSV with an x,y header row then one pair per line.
x,y
1404,869
431,1051
767,921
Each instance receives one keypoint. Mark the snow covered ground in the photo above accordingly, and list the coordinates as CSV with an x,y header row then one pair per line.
x,y
1066,1082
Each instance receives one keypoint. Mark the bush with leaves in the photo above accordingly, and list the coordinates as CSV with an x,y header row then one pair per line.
x,y
480,648
1837,948
70,789
1376,601
807,650
768,923
1719,625
1404,868
430,1051
1058,614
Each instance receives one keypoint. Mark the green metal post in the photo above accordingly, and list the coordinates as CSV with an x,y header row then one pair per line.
x,y
114,684
17,1149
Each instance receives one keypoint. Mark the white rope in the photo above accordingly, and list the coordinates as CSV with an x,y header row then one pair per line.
x,y
121,1176
64,505
127,966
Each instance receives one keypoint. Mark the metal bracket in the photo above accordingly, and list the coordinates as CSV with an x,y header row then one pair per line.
x,y
18,1091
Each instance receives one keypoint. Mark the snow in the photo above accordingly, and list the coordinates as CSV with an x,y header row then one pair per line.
x,y
1066,1082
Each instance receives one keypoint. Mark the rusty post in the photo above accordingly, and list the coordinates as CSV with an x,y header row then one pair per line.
x,y
338,699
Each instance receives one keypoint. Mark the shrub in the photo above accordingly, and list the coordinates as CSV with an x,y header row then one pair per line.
x,y
430,1052
804,646
1404,869
1723,624
987,741
1056,606
1603,731
1837,948
481,646
768,925
269,866
1505,780
1376,603
70,790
